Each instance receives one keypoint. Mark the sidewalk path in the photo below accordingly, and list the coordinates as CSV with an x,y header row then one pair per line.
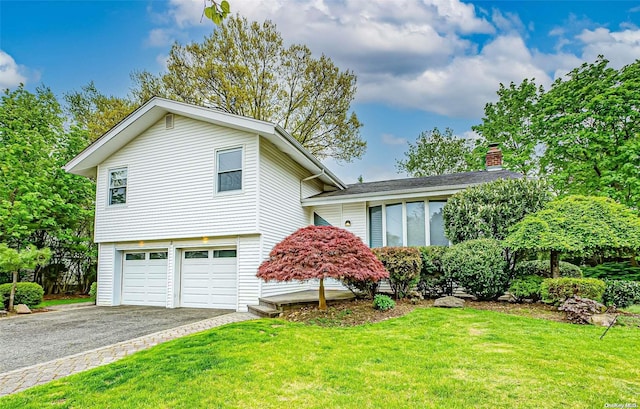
x,y
23,378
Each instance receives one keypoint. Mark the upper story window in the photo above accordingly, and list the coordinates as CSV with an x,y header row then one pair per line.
x,y
407,224
118,186
229,170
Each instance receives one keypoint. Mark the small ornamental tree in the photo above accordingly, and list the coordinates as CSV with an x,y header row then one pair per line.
x,y
12,260
319,252
578,225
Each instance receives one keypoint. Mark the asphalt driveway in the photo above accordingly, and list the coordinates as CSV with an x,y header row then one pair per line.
x,y
37,338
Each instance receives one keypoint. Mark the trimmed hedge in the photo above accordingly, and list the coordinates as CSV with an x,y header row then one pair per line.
x,y
26,293
433,282
479,266
527,287
542,268
621,293
613,271
557,290
403,264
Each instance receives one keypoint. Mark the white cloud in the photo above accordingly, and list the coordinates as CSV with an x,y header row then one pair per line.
x,y
619,47
389,139
160,37
463,87
11,74
424,54
187,12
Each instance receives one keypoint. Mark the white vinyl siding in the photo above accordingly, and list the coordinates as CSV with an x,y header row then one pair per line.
x,y
248,262
106,279
171,179
332,214
280,210
356,213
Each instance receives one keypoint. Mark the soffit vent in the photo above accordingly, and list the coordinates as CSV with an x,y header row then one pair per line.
x,y
168,121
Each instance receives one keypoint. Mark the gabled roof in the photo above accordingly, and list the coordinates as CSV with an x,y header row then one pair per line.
x,y
439,185
85,162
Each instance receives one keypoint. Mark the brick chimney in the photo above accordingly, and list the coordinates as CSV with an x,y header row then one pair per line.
x,y
494,157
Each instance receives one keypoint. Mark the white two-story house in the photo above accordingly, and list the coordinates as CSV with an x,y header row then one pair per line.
x,y
190,201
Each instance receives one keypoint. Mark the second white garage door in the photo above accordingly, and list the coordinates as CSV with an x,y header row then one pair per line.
x,y
209,279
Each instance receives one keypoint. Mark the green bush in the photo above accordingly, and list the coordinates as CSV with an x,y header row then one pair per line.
x,y
479,266
542,268
433,282
527,287
621,293
26,293
383,302
404,265
557,290
613,271
368,288
93,291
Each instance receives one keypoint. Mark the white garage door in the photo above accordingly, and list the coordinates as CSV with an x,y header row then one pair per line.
x,y
144,278
209,279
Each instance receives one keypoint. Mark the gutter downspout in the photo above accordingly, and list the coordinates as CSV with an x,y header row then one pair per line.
x,y
309,178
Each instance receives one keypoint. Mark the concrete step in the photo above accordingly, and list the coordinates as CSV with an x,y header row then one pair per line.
x,y
264,311
268,304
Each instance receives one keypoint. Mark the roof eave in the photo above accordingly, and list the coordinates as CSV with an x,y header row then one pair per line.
x,y
388,195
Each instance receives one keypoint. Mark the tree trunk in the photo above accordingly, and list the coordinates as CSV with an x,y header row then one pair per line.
x,y
322,300
633,260
12,294
555,264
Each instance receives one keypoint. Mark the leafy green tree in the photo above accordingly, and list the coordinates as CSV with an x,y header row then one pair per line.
x,y
244,68
509,122
40,204
490,209
436,153
577,225
30,126
95,112
590,126
13,261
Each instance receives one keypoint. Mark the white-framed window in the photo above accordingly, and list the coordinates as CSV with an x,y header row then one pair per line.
x,y
117,186
416,223
229,170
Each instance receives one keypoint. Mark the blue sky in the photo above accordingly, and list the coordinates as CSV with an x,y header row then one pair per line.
x,y
420,64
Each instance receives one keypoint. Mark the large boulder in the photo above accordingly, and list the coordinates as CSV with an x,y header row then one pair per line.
x,y
604,320
449,302
22,309
580,310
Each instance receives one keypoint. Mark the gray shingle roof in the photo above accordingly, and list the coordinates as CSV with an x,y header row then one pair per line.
x,y
389,186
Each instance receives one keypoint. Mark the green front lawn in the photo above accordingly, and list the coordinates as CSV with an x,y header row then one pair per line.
x,y
61,301
431,358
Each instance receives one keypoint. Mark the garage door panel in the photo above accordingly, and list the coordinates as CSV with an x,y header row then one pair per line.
x,y
144,279
209,282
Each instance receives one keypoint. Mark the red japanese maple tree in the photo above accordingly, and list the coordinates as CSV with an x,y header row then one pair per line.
x,y
321,252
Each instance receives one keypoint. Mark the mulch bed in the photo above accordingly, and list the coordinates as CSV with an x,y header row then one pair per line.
x,y
358,312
